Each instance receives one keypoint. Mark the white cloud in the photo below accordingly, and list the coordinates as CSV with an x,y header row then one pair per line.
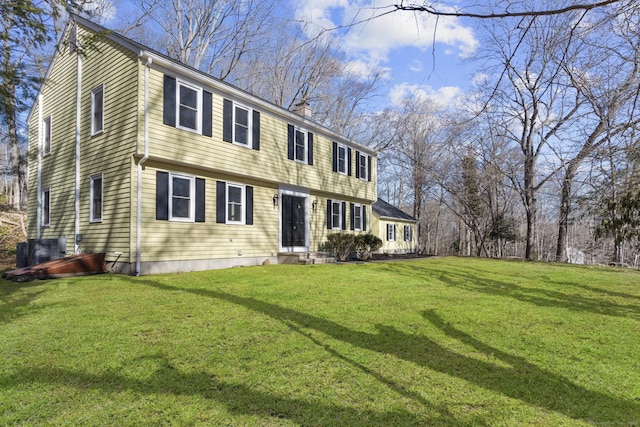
x,y
376,38
446,95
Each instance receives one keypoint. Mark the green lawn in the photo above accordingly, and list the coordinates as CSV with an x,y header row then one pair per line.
x,y
447,341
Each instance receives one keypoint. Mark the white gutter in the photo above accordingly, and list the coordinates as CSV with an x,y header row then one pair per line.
x,y
39,175
140,162
76,247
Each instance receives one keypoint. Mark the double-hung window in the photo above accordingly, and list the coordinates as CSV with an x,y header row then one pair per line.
x,y
46,133
97,110
181,196
357,217
242,125
301,145
235,204
46,206
341,156
408,235
336,215
391,232
95,190
189,106
362,166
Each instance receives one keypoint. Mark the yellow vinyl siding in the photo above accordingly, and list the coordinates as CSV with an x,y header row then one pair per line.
x,y
109,152
270,163
172,240
399,246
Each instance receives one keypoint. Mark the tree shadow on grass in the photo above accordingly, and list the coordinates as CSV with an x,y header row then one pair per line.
x,y
15,297
471,280
520,380
238,399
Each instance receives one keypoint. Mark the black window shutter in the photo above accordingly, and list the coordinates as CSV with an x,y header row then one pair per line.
x,y
221,202
388,232
349,161
352,215
200,184
256,130
344,215
364,218
248,192
162,196
368,168
169,101
227,120
310,148
207,99
329,216
290,141
357,164
335,157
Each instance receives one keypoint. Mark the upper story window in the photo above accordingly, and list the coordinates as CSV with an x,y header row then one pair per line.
x,y
179,197
97,110
300,145
341,159
95,190
241,125
363,166
46,131
187,106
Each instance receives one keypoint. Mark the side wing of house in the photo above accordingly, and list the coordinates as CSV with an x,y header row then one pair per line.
x,y
82,134
397,230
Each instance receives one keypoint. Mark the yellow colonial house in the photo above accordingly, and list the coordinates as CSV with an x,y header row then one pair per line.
x,y
166,169
397,229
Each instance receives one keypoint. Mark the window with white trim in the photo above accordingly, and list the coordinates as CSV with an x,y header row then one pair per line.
x,y
300,145
408,235
242,125
235,204
336,215
97,110
189,106
341,159
391,232
362,165
46,133
95,190
357,218
46,206
181,197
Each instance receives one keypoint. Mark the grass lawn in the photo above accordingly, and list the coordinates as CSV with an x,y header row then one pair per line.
x,y
446,341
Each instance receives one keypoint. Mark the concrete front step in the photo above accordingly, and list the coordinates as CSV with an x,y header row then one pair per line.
x,y
305,258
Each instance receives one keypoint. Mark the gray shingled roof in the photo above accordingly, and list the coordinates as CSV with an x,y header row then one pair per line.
x,y
386,210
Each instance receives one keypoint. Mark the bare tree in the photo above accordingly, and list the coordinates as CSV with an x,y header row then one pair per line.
x,y
603,65
210,35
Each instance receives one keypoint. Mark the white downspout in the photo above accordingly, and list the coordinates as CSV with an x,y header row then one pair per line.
x,y
39,173
140,163
76,247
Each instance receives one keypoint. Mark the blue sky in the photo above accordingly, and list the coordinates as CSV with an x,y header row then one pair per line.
x,y
419,57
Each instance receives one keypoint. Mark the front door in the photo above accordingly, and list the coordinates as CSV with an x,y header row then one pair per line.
x,y
293,221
